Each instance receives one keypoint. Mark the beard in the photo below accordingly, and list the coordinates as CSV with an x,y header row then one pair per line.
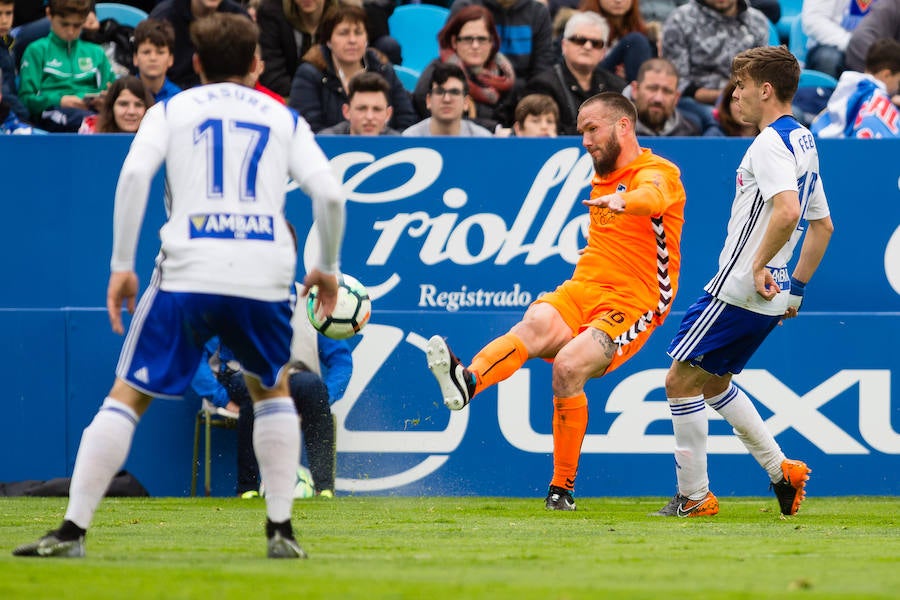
x,y
652,119
607,163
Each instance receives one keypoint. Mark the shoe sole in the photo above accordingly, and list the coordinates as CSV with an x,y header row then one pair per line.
x,y
438,355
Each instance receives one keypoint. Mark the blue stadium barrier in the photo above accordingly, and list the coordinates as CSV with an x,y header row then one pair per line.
x,y
456,246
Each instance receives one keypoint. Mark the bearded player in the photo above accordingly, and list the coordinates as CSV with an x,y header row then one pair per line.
x,y
621,290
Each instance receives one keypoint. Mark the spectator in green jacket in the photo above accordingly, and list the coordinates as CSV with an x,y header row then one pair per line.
x,y
63,78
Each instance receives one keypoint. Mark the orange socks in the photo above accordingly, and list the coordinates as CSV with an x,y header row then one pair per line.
x,y
570,418
498,360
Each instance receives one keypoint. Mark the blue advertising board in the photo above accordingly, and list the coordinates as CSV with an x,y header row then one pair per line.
x,y
456,237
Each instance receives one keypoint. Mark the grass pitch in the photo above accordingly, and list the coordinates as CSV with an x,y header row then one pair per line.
x,y
465,547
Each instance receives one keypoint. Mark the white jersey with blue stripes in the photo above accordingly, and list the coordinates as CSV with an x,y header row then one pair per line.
x,y
227,150
782,157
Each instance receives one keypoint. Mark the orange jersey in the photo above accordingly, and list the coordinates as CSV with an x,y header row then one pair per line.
x,y
637,254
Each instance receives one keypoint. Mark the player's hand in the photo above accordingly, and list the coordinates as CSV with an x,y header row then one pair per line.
x,y
326,298
765,284
614,202
123,287
795,300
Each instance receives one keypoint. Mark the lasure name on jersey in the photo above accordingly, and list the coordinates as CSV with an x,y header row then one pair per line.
x,y
235,227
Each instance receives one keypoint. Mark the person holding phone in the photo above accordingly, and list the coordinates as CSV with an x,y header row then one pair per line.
x,y
63,78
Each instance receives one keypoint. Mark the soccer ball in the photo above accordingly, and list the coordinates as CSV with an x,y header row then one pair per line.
x,y
351,313
305,488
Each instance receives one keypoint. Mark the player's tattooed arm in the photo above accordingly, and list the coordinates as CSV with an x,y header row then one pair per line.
x,y
605,342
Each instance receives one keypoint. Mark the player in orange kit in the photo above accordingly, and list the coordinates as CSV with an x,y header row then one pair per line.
x,y
621,290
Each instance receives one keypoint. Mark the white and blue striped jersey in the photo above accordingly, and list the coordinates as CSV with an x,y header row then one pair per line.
x,y
782,157
228,151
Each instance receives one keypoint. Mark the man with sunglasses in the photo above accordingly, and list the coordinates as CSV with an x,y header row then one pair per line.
x,y
448,100
579,76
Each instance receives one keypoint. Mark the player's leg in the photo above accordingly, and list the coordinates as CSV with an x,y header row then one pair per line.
x,y
317,423
276,441
541,333
104,448
158,358
684,392
259,334
702,332
586,356
788,477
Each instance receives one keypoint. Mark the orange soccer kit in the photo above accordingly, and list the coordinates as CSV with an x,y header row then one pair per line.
x,y
623,285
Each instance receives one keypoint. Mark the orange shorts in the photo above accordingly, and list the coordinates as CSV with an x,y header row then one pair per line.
x,y
584,304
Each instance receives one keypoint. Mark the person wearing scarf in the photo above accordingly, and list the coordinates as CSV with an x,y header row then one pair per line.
x,y
470,40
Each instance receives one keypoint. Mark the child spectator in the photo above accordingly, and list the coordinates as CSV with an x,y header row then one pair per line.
x,y
123,108
537,115
62,77
861,106
154,53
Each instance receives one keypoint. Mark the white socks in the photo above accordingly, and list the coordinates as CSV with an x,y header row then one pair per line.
x,y
736,408
104,447
276,441
691,427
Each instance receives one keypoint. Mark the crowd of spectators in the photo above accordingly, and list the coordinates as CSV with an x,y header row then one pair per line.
x,y
334,62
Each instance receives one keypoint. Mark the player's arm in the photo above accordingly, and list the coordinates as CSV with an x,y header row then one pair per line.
x,y
328,214
815,242
785,215
132,190
311,170
652,196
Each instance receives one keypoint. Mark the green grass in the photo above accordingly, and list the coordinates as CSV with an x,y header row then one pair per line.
x,y
462,548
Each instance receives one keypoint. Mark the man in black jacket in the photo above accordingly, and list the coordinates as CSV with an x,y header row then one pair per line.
x,y
579,76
